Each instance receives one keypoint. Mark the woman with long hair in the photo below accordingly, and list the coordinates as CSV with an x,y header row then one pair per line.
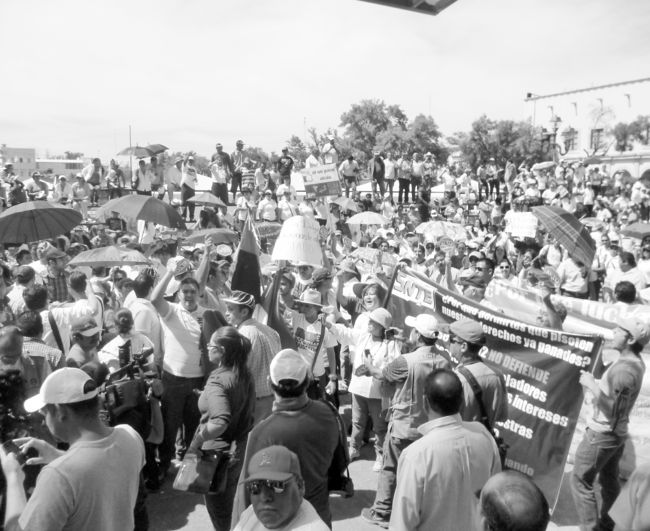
x,y
226,404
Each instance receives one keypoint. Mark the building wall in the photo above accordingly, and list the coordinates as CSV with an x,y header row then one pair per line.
x,y
23,159
592,114
69,168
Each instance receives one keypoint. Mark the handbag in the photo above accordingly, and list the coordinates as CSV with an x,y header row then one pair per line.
x,y
478,393
197,471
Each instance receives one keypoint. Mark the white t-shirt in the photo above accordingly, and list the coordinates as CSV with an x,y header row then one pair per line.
x,y
109,354
92,486
306,519
307,336
182,332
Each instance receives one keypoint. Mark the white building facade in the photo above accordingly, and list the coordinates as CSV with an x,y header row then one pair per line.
x,y
580,122
23,160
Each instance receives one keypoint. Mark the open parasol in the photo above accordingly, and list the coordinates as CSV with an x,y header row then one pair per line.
x,y
206,198
568,231
593,223
36,220
637,230
111,256
217,235
156,148
345,203
543,165
367,218
138,152
144,207
440,229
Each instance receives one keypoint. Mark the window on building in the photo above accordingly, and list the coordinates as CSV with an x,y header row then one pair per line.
x,y
20,159
570,138
596,138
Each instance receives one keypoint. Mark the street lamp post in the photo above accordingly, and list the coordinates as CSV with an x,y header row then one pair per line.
x,y
555,125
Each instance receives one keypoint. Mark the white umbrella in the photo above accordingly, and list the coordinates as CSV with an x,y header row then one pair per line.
x,y
367,218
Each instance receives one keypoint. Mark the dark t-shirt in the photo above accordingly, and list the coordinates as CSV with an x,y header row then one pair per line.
x,y
310,431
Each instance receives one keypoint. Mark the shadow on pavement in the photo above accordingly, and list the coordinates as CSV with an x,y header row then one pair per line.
x,y
170,509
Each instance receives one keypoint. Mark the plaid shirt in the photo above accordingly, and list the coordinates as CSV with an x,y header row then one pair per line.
x,y
265,344
57,287
36,348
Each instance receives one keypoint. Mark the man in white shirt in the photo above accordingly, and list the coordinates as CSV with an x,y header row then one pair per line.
x,y
267,208
439,474
173,178
142,178
94,484
286,207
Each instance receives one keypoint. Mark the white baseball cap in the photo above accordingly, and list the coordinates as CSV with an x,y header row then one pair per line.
x,y
63,386
288,365
426,325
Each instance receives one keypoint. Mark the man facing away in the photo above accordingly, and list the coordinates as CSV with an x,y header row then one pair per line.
x,y
91,486
439,474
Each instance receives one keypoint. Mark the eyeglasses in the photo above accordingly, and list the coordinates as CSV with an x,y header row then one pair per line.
x,y
278,487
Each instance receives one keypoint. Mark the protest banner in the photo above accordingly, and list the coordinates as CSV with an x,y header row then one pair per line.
x,y
322,180
298,241
541,368
521,224
592,317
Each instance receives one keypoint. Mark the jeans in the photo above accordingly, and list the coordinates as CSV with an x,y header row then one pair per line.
x,y
221,191
179,409
416,182
220,505
362,409
235,183
378,182
597,455
393,448
403,187
187,193
390,184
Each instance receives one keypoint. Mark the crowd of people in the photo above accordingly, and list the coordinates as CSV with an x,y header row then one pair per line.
x,y
214,381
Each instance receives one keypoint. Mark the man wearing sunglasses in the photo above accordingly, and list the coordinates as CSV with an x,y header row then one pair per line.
x,y
276,489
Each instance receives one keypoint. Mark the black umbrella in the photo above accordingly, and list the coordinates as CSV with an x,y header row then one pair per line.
x,y
138,152
36,220
156,148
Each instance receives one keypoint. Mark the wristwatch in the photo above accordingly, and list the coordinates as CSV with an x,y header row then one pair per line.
x,y
333,378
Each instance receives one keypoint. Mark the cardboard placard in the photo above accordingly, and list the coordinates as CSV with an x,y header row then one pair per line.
x,y
322,180
446,244
298,241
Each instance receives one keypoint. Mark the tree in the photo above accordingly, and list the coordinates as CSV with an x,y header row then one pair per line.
x,y
366,120
256,155
623,135
73,155
424,136
298,151
503,140
640,129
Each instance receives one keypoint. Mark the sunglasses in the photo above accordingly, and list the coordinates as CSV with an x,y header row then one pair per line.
x,y
278,487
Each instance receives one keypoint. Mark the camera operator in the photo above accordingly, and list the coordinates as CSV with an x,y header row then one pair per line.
x,y
91,486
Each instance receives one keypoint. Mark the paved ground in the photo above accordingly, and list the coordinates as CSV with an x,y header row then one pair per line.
x,y
171,510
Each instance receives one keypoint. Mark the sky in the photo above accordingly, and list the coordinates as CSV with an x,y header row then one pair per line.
x,y
189,73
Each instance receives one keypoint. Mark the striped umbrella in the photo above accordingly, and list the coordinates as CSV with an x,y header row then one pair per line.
x,y
36,220
568,231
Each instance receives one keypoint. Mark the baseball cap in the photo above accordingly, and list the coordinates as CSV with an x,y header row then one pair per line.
x,y
311,296
321,274
288,365
468,330
183,266
55,254
275,463
638,329
381,316
425,324
241,298
63,386
86,326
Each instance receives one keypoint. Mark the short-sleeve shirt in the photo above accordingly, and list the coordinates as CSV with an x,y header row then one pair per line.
x,y
307,336
78,490
182,334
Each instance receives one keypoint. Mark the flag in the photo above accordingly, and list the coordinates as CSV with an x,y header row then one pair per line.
x,y
247,274
274,319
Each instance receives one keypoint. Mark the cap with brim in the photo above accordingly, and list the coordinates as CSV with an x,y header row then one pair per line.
x,y
63,386
425,324
55,254
288,365
321,274
381,316
311,297
638,329
275,463
304,264
468,330
241,298
358,288
183,267
86,327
